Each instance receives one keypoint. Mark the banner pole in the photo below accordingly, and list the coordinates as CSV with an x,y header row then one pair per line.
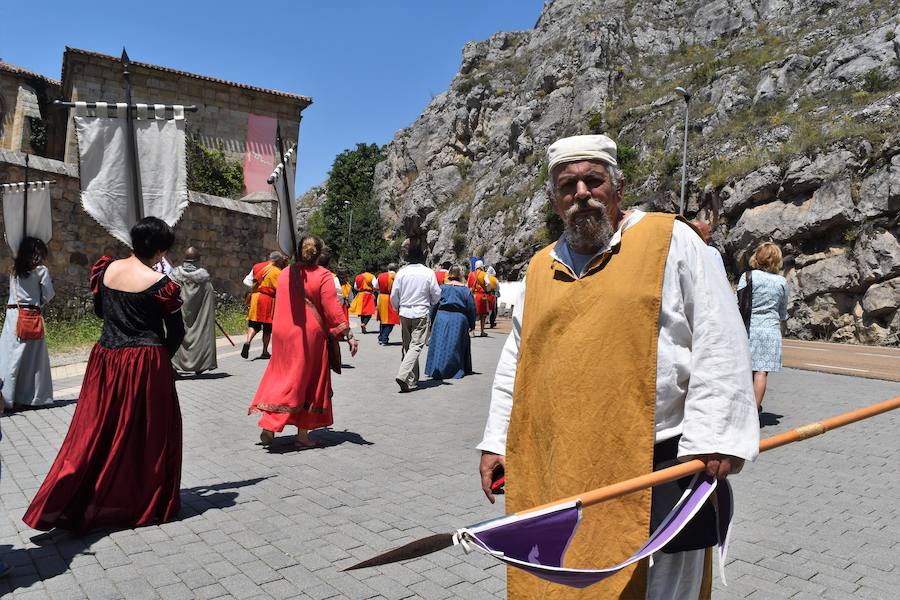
x,y
25,205
286,210
132,140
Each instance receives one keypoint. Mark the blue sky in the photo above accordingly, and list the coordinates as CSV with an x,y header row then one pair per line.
x,y
371,67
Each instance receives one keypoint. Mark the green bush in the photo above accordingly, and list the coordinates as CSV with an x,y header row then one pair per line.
x,y
210,172
553,224
875,81
459,244
627,158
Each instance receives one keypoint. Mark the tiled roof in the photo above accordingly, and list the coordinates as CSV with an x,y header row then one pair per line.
x,y
17,70
305,100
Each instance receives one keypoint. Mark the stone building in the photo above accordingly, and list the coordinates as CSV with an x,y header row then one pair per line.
x,y
225,108
235,118
26,117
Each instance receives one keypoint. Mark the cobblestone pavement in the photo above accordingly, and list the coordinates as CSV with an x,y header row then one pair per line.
x,y
814,520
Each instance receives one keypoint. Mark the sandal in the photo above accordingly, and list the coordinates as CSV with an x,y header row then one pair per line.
x,y
266,437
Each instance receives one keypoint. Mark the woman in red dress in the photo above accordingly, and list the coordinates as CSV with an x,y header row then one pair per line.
x,y
296,387
120,464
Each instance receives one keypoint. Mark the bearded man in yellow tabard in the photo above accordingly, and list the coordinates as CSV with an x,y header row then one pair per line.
x,y
628,354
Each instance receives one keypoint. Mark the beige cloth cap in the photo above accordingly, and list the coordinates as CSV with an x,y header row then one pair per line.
x,y
581,147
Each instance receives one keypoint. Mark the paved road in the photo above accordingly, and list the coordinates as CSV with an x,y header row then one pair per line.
x,y
817,520
876,362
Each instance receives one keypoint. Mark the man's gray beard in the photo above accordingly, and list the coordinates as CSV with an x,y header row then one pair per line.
x,y
588,233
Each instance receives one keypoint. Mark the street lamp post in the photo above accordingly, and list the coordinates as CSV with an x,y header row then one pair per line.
x,y
687,102
347,206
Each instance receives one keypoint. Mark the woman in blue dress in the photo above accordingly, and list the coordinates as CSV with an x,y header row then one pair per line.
x,y
770,299
452,318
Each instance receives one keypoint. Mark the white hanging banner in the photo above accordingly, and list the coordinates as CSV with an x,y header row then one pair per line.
x,y
106,191
287,206
39,223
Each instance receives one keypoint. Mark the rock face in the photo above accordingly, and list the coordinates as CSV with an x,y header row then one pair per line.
x,y
794,137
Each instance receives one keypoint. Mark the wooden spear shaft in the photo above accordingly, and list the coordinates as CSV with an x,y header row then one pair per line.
x,y
637,484
434,543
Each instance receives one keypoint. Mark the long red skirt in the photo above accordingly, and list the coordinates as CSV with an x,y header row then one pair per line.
x,y
120,464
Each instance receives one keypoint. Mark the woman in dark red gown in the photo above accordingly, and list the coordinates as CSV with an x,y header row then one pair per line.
x,y
120,464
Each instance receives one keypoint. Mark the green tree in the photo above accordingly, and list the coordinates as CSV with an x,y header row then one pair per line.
x,y
349,192
209,171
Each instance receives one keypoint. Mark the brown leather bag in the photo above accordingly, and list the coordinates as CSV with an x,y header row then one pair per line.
x,y
745,299
30,324
333,344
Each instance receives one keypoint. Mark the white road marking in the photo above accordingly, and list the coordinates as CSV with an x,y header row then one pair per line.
x,y
836,367
804,348
878,355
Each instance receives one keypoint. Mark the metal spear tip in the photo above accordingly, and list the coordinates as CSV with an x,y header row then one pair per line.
x,y
415,549
683,93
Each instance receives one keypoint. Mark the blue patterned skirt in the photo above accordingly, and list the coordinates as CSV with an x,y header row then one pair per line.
x,y
765,349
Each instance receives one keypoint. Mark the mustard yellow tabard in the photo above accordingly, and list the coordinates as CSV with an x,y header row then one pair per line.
x,y
584,402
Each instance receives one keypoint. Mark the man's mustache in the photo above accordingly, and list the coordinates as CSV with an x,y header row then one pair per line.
x,y
588,205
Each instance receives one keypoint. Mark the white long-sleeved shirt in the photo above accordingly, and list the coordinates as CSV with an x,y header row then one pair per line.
x,y
703,382
415,290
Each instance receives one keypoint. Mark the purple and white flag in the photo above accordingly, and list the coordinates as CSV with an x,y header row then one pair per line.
x,y
536,542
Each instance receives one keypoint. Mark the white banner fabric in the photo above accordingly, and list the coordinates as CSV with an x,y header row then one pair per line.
x,y
106,176
40,223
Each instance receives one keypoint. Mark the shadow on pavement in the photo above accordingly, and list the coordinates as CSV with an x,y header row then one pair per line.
x,y
32,565
11,412
767,419
430,383
324,438
198,376
197,500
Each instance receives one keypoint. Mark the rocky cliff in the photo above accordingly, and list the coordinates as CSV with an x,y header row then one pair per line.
x,y
794,137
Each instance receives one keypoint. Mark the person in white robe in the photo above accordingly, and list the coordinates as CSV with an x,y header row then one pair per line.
x,y
198,349
25,365
704,390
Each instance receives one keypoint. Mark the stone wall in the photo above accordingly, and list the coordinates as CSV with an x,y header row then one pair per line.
x,y
25,95
232,235
221,122
837,217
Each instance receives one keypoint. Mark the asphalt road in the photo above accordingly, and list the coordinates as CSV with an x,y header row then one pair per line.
x,y
873,362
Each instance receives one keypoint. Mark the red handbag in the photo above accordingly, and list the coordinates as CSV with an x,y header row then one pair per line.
x,y
30,324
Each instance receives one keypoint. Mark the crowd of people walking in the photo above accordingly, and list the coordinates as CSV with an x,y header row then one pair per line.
x,y
120,462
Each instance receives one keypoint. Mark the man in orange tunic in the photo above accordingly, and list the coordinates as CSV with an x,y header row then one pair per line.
x,y
363,304
628,353
478,286
262,280
387,314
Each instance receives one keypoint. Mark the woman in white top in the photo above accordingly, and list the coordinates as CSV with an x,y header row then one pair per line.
x,y
25,365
